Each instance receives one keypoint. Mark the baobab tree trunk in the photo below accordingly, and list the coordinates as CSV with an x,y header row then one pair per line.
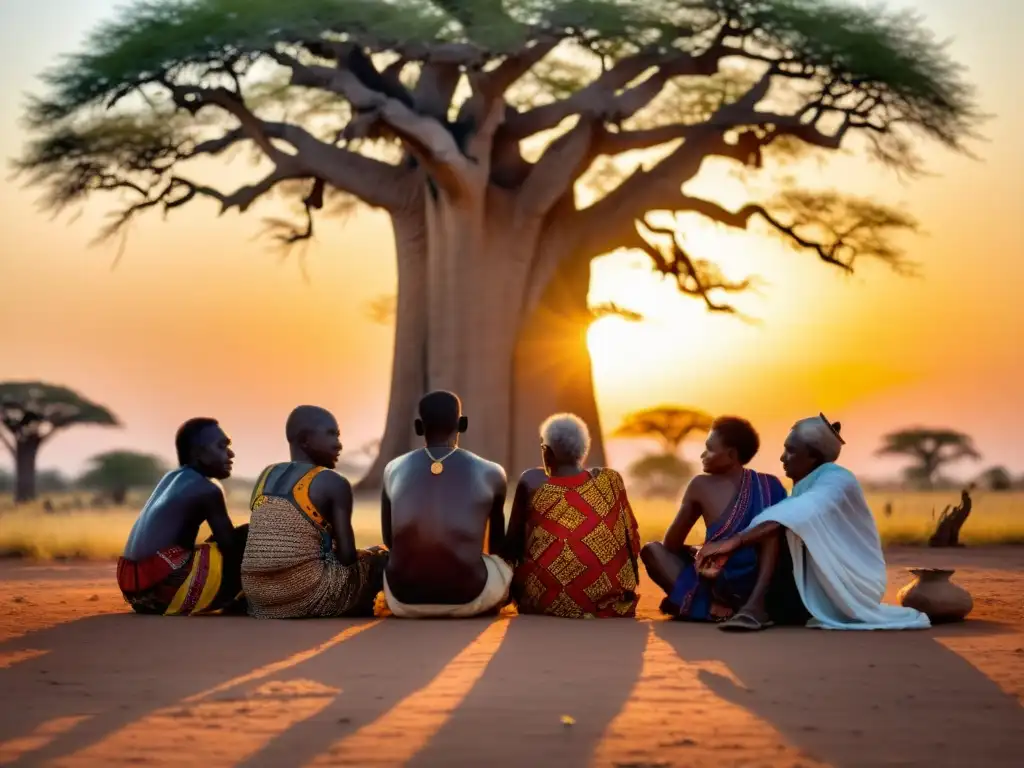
x,y
552,368
26,451
410,351
462,288
477,269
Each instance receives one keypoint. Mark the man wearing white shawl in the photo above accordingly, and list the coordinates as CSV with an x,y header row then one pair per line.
x,y
832,538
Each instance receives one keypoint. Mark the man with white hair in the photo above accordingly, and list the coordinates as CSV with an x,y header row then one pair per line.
x,y
572,536
831,536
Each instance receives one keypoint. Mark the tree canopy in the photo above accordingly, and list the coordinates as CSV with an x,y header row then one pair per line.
x,y
669,424
931,449
511,143
322,88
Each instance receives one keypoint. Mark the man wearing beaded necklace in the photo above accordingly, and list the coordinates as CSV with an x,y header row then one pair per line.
x,y
437,505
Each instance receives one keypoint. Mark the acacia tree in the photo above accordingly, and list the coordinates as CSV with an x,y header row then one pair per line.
x,y
931,449
668,424
478,125
117,472
31,412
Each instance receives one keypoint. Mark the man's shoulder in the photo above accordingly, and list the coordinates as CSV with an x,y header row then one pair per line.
x,y
192,483
534,477
485,465
703,481
613,476
332,478
769,478
842,475
398,460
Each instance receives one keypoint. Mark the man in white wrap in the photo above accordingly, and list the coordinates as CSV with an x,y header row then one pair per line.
x,y
832,539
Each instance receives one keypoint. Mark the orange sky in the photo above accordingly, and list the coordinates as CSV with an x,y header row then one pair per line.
x,y
202,317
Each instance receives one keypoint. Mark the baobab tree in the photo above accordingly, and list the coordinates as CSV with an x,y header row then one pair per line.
x,y
31,412
511,142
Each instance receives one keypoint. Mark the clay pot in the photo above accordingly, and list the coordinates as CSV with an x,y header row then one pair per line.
x,y
932,593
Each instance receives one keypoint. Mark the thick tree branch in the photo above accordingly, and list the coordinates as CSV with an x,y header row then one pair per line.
x,y
558,169
600,98
435,88
496,82
479,148
424,136
375,182
589,99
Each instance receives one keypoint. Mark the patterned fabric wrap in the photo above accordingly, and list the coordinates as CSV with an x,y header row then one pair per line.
x,y
175,582
697,598
290,571
580,559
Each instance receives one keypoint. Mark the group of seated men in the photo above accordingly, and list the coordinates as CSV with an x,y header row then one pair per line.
x,y
571,548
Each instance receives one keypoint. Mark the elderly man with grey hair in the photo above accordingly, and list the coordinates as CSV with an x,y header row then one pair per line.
x,y
572,537
831,537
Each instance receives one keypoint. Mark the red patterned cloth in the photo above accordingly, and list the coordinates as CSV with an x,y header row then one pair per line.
x,y
580,559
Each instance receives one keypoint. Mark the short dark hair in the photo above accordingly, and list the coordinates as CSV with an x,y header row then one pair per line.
x,y
440,412
738,434
187,434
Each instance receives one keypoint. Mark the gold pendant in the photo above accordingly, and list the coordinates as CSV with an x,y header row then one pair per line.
x,y
436,468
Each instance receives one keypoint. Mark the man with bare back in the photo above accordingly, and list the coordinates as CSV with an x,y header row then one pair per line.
x,y
162,569
437,505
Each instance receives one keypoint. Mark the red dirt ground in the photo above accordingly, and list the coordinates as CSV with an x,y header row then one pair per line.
x,y
86,683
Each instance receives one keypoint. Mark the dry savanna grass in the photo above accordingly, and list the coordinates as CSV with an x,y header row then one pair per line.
x,y
97,534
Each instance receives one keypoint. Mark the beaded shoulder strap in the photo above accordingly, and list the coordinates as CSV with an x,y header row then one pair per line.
x,y
300,492
257,497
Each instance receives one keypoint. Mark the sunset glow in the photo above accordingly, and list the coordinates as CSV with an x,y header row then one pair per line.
x,y
201,317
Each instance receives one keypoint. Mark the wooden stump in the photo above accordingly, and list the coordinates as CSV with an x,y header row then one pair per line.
x,y
947,530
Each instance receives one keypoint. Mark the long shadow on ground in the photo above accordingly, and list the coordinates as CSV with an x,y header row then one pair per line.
x,y
373,671
115,669
544,669
864,698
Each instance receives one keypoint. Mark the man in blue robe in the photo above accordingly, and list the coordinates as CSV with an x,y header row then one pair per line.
x,y
728,496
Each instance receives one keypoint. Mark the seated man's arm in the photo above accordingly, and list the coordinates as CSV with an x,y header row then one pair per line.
x,y
686,517
496,521
751,537
215,513
332,495
515,540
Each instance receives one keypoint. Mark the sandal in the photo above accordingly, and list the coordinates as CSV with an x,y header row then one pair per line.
x,y
744,622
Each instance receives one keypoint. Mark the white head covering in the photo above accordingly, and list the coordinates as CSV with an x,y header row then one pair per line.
x,y
819,433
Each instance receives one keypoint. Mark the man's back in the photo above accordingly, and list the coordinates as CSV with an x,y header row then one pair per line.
x,y
716,494
437,525
172,515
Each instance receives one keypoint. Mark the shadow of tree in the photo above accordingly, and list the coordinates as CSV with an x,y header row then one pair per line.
x,y
539,675
863,698
374,671
117,668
